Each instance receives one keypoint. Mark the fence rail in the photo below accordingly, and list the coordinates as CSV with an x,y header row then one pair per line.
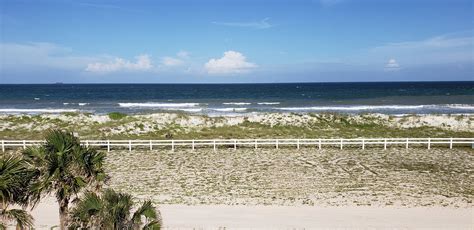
x,y
257,143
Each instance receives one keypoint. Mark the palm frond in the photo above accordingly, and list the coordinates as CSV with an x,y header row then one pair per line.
x,y
147,210
87,208
21,217
58,141
153,225
15,178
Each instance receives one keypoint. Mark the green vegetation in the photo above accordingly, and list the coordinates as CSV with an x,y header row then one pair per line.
x,y
71,171
182,126
116,115
113,210
65,168
15,177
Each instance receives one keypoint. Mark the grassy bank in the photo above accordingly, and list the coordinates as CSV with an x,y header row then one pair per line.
x,y
184,126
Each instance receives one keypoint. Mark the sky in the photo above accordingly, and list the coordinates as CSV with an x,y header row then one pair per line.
x,y
230,41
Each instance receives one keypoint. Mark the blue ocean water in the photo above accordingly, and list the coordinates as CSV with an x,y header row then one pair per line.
x,y
377,97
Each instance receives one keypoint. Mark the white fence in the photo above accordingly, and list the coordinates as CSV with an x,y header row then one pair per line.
x,y
260,143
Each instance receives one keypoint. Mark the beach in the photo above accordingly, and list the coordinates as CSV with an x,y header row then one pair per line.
x,y
294,217
285,188
196,115
297,189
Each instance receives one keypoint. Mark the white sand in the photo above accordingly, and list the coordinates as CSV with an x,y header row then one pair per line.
x,y
294,217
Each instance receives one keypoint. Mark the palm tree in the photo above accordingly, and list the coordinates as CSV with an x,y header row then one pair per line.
x,y
112,210
15,178
64,167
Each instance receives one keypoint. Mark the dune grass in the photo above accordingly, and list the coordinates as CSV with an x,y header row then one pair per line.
x,y
177,126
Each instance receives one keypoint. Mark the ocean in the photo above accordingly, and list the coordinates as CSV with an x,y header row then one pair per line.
x,y
222,99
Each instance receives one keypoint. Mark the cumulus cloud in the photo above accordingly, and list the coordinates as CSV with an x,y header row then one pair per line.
x,y
232,62
170,61
143,62
392,65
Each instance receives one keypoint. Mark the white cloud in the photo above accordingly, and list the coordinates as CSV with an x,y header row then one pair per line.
x,y
262,24
232,62
392,65
170,61
40,55
450,48
142,63
183,54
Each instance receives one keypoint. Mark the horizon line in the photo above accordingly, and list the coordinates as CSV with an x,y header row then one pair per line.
x,y
230,83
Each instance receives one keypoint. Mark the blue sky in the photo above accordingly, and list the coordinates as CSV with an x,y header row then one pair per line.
x,y
235,41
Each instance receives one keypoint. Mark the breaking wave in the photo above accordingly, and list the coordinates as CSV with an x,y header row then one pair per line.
x,y
158,105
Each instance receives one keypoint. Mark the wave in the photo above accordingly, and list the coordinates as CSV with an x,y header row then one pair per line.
x,y
268,103
37,110
355,108
230,109
186,110
236,103
460,106
150,104
80,104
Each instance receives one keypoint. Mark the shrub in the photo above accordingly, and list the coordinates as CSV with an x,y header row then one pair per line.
x,y
116,115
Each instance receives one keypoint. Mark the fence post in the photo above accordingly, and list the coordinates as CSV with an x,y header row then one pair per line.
x,y
151,146
298,143
407,144
192,145
235,144
87,143
319,145
450,143
385,143
172,145
363,143
255,143
276,143
3,145
108,145
341,143
429,143
24,144
214,142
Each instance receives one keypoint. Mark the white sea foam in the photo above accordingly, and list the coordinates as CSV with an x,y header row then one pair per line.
x,y
186,110
151,104
268,103
460,106
37,110
230,109
66,103
82,104
355,108
236,103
